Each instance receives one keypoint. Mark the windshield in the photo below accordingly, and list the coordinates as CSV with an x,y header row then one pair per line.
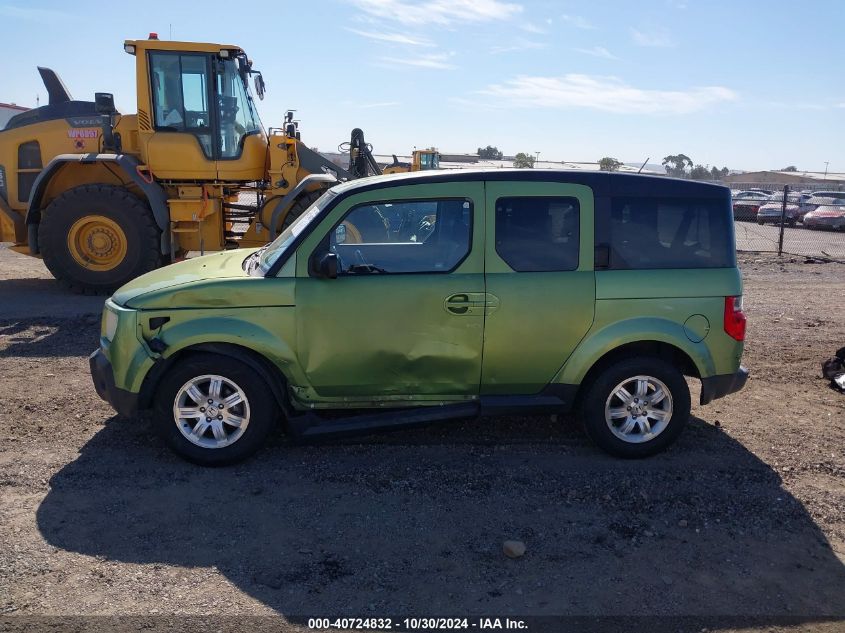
x,y
275,249
238,116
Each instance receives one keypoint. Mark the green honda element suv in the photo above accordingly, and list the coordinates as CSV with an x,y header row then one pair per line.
x,y
398,300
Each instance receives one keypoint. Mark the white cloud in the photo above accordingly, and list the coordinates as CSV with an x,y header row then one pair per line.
x,y
381,104
442,12
597,51
608,94
435,60
519,44
577,21
653,39
394,38
532,28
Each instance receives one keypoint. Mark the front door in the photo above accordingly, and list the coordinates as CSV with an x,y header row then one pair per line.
x,y
404,318
540,282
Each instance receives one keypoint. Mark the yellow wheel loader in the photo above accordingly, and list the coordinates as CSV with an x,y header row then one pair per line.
x,y
421,160
104,197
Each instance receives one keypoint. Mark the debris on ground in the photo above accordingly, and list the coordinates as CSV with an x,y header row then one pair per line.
x,y
834,370
513,549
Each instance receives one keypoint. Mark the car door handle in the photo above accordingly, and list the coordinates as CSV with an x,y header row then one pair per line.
x,y
465,303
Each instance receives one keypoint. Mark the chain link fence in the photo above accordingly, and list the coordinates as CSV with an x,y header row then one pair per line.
x,y
807,220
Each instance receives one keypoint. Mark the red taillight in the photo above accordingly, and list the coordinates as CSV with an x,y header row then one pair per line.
x,y
734,318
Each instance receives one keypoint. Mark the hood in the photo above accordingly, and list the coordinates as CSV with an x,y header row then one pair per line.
x,y
211,281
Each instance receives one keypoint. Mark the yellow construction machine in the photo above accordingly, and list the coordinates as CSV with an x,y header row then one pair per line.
x,y
422,159
104,197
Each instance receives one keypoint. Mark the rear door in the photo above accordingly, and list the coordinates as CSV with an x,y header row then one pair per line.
x,y
540,282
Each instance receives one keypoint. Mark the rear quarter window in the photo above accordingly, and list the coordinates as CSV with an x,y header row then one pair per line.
x,y
658,233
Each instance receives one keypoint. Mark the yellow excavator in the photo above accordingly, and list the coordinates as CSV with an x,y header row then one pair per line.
x,y
103,197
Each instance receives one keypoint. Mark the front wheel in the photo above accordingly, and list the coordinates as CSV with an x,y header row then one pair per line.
x,y
95,238
214,410
636,407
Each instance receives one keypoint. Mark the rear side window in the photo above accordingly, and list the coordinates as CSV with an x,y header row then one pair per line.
x,y
538,234
653,233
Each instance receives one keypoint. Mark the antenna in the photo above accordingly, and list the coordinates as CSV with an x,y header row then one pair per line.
x,y
644,164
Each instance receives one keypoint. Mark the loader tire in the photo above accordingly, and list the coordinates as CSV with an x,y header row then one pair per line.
x,y
298,208
95,238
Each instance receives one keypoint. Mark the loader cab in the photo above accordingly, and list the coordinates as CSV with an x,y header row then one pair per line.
x,y
196,115
426,159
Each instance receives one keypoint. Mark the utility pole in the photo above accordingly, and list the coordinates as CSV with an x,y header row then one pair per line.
x,y
826,163
537,157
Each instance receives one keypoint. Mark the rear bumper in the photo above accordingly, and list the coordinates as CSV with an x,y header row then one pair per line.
x,y
722,385
124,402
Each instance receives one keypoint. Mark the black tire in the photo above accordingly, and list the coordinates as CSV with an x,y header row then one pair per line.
x,y
592,408
262,408
299,206
760,222
128,211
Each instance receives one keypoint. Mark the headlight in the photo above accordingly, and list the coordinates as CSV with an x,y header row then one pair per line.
x,y
109,324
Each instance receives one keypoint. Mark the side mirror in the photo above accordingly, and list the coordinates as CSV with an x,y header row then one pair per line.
x,y
104,103
327,268
260,88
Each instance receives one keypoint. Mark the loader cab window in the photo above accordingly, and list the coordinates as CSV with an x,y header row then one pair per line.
x,y
429,161
180,95
238,117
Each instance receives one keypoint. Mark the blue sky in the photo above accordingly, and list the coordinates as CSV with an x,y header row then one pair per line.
x,y
743,84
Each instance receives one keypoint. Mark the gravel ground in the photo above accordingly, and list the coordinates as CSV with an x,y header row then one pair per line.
x,y
744,516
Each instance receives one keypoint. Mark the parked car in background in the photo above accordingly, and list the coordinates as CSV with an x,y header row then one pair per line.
x,y
750,194
828,194
747,203
797,205
827,216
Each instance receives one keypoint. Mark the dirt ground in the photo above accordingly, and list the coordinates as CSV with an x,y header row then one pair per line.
x,y
744,516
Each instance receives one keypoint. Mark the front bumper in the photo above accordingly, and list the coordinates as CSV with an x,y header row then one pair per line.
x,y
124,402
722,385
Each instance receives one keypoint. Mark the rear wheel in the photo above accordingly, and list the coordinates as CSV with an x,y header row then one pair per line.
x,y
636,407
214,410
95,238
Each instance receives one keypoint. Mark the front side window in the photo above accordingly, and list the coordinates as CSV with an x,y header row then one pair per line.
x,y
180,95
654,233
538,234
420,236
238,117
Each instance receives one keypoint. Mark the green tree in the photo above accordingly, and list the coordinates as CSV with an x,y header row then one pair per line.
x,y
523,160
677,164
609,164
790,168
700,172
490,153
